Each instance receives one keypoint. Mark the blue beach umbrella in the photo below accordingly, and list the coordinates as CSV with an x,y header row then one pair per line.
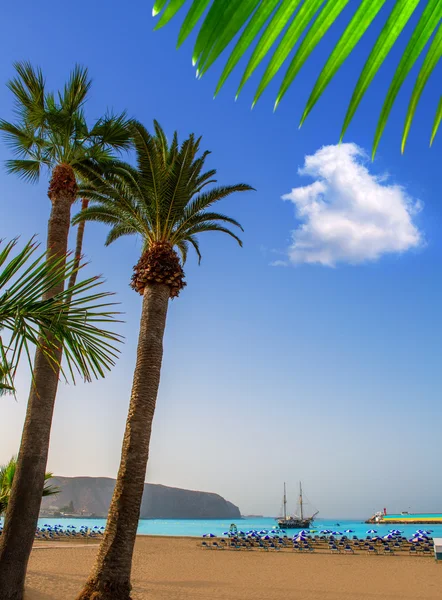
x,y
325,531
266,537
210,535
336,533
371,531
349,531
388,537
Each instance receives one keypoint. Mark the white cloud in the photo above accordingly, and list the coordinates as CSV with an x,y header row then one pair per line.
x,y
347,214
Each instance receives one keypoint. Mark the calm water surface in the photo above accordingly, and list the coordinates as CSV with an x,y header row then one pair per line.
x,y
196,528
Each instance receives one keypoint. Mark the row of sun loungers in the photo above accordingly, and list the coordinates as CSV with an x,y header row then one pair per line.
x,y
399,546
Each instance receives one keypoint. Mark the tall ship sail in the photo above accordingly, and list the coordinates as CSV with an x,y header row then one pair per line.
x,y
295,521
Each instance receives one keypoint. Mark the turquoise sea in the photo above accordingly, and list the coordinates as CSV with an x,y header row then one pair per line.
x,y
198,527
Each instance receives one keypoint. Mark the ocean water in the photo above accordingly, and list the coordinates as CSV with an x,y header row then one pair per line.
x,y
198,527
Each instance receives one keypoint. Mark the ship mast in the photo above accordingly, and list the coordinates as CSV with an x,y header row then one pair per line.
x,y
300,500
285,504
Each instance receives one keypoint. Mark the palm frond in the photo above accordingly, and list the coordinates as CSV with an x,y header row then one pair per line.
x,y
75,91
28,88
212,226
28,170
112,131
437,120
161,199
191,239
78,326
7,474
183,247
266,26
431,59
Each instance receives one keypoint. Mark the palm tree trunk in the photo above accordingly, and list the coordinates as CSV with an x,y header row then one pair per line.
x,y
110,577
78,250
27,489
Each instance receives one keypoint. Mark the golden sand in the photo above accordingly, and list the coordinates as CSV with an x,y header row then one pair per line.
x,y
178,569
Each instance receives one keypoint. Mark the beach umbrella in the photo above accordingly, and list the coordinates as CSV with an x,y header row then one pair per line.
x,y
266,537
388,537
371,531
336,533
210,535
325,531
349,531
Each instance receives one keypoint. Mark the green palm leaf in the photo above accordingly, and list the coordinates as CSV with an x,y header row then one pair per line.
x,y
271,33
363,17
254,26
228,27
284,22
424,29
324,20
432,58
192,18
89,348
7,473
437,120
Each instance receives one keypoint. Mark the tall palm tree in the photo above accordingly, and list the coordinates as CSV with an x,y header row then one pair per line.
x,y
50,133
7,473
165,202
30,318
280,25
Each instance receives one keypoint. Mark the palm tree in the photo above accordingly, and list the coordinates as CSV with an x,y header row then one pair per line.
x,y
165,202
52,133
281,24
32,319
7,473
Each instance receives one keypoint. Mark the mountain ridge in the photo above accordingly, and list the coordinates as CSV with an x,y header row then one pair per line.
x,y
92,496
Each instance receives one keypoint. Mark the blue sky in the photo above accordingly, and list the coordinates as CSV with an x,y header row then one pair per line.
x,y
329,375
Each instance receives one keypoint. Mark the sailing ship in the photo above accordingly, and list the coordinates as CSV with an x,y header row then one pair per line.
x,y
295,521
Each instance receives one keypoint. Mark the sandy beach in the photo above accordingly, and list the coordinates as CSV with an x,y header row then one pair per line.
x,y
178,569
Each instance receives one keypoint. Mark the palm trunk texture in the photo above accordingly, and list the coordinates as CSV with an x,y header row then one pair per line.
x,y
27,488
110,577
